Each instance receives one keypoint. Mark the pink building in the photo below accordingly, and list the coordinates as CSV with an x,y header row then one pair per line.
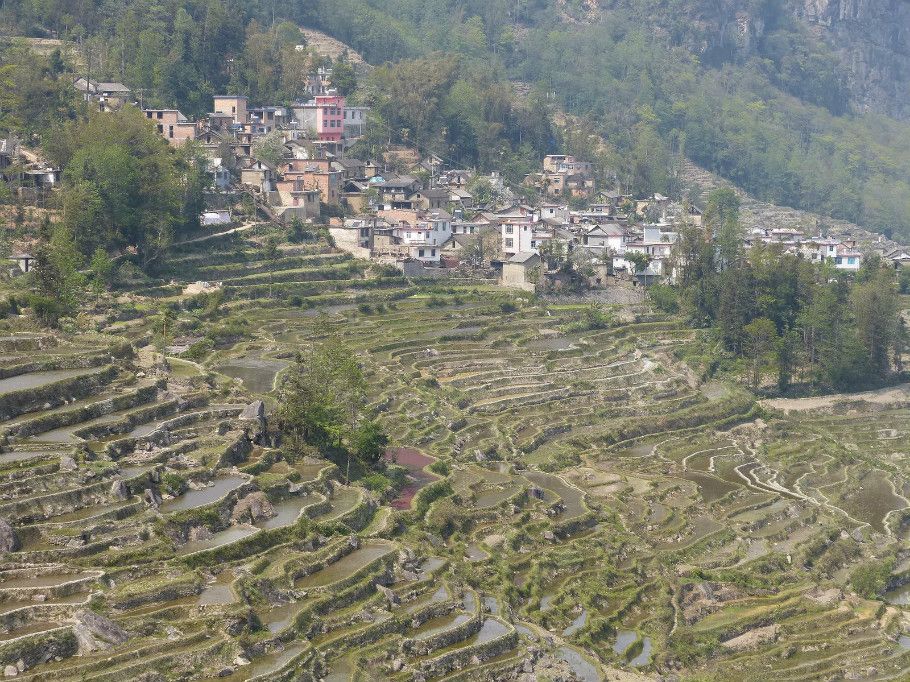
x,y
172,125
324,116
330,117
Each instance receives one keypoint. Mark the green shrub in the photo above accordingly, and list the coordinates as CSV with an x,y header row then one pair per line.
x,y
377,483
46,310
440,467
664,298
870,579
174,484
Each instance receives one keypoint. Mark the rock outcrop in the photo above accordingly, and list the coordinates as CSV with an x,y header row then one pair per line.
x,y
9,540
97,633
253,508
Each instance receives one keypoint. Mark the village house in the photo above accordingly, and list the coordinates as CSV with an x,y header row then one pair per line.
x,y
425,238
517,236
176,128
108,96
555,212
259,175
328,182
397,192
234,106
357,235
847,257
564,163
323,116
354,120
518,272
431,199
609,236
264,120
297,200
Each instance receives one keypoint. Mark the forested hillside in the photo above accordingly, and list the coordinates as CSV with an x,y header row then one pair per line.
x,y
748,90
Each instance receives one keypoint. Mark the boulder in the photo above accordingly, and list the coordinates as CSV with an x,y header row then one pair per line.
x,y
390,596
9,540
152,498
119,491
68,464
255,410
10,671
253,508
199,533
97,633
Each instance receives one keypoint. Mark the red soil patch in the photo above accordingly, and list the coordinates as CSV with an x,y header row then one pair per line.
x,y
414,461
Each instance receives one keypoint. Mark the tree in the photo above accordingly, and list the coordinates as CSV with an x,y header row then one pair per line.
x,y
321,404
638,260
124,186
761,335
876,308
270,254
57,276
270,147
344,79
102,269
369,441
721,217
166,319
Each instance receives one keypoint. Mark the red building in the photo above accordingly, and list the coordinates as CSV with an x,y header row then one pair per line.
x,y
330,117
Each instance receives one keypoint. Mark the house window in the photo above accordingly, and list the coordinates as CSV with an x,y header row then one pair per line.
x,y
509,243
432,252
170,132
851,261
509,230
420,253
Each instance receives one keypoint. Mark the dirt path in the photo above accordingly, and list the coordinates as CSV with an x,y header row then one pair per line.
x,y
242,228
329,46
882,396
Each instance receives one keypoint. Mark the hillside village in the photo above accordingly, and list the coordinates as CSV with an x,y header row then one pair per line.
x,y
294,388
558,230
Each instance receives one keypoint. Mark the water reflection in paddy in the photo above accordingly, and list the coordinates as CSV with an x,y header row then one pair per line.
x,y
198,498
346,566
38,379
576,624
584,670
286,512
257,375
219,539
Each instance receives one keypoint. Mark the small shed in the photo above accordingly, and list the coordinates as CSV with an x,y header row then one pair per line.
x,y
516,272
26,262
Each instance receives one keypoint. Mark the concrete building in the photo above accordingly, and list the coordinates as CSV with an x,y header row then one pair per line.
x,y
233,105
172,125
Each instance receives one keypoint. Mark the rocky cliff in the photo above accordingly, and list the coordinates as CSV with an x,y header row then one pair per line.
x,y
862,46
872,40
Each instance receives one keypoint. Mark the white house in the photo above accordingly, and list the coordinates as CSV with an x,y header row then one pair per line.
x,y
425,238
609,236
847,258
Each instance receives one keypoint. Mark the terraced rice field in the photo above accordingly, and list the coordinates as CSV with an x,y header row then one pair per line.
x,y
604,510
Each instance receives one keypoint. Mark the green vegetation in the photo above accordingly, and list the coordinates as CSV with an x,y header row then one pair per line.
x,y
805,322
322,404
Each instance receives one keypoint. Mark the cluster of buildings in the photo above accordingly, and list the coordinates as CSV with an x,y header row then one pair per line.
x,y
307,173
614,234
843,255
426,216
